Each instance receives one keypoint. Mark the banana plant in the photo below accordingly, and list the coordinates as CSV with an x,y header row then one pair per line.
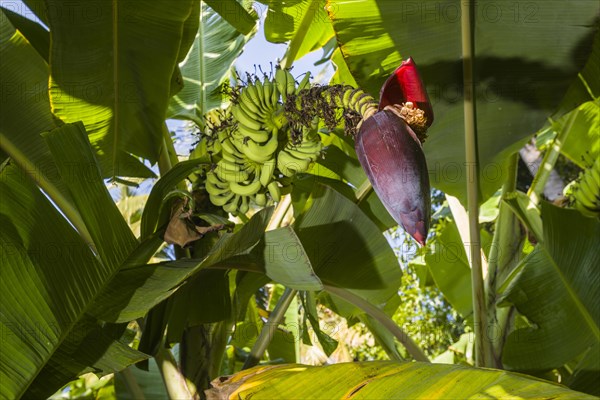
x,y
67,315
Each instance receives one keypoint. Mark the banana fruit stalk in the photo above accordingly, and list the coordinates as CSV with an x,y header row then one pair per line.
x,y
584,193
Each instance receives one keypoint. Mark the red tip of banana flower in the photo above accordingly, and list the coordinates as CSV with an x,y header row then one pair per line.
x,y
392,157
405,86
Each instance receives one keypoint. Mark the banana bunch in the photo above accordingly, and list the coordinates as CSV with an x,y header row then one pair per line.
x,y
296,158
255,148
237,180
584,193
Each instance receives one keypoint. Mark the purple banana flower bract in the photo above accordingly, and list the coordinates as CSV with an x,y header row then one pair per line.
x,y
391,154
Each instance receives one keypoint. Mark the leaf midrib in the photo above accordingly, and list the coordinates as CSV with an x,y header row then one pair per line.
x,y
201,46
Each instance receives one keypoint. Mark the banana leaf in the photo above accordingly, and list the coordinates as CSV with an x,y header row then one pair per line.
x,y
384,380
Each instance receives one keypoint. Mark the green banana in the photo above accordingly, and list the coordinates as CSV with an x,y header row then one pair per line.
x,y
228,147
218,191
253,95
216,183
261,94
258,135
275,95
308,148
346,98
245,206
274,190
281,81
261,153
213,146
260,199
355,99
245,189
289,165
231,172
291,83
221,200
232,206
255,116
243,118
233,158
266,172
268,93
304,83
246,102
365,103
584,192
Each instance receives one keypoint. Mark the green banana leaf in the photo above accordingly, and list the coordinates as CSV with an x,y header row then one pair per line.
x,y
151,216
384,380
345,248
447,262
49,278
206,67
34,32
585,374
519,83
557,287
113,240
587,87
526,210
582,145
113,71
235,14
285,344
58,288
303,23
26,114
317,250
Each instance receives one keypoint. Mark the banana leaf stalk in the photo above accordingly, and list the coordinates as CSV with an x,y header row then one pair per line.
x,y
389,148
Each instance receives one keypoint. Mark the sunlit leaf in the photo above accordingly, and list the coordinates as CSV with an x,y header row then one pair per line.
x,y
384,379
105,72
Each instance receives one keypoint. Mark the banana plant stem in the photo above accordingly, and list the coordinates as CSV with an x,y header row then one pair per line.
x,y
174,380
280,212
482,346
411,347
504,248
268,330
